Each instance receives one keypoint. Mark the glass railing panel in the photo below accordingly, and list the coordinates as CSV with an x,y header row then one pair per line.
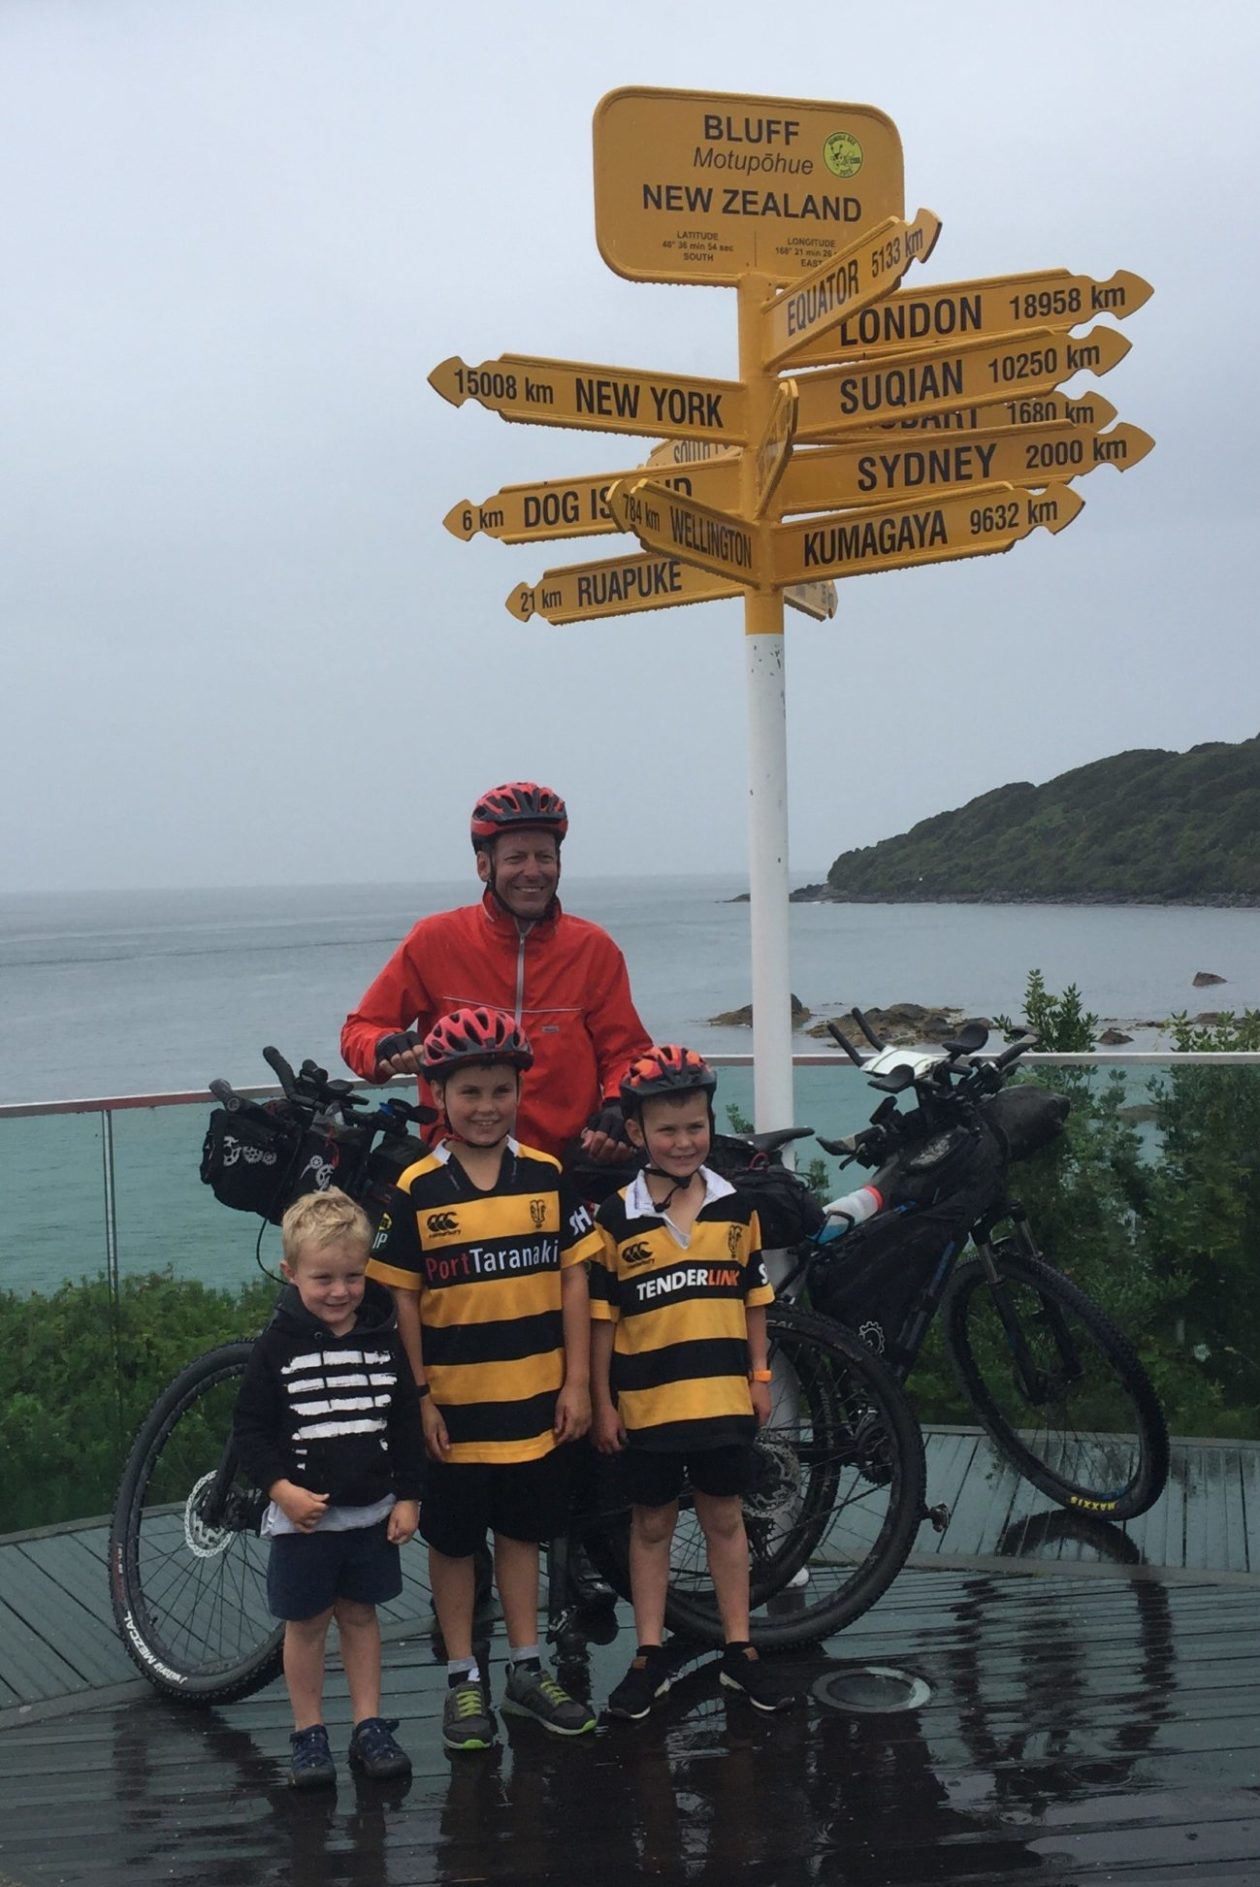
x,y
1151,1202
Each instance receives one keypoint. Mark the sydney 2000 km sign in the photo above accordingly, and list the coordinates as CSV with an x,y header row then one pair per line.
x,y
877,423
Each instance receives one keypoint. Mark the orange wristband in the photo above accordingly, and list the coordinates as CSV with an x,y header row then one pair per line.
x,y
761,1375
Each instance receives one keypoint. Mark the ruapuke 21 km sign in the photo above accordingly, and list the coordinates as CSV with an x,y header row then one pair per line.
x,y
707,186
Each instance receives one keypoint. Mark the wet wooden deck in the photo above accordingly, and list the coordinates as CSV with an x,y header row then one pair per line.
x,y
57,1636
1076,1729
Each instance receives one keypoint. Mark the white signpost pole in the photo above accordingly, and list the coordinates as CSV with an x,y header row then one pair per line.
x,y
767,766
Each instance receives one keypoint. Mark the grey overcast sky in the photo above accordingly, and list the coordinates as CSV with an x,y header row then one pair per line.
x,y
239,646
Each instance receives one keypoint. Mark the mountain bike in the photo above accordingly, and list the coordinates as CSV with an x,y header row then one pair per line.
x,y
1052,1379
834,1502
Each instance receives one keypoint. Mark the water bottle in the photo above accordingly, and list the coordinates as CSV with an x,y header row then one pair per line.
x,y
844,1214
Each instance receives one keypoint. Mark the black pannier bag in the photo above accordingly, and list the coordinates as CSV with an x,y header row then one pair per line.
x,y
786,1208
1025,1117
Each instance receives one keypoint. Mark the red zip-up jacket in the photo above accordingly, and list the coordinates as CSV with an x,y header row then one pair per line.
x,y
564,981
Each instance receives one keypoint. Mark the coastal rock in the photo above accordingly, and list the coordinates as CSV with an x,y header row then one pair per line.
x,y
903,1024
742,1018
1203,978
1112,1038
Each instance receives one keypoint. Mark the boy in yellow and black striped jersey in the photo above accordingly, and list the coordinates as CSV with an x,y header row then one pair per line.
x,y
484,1248
679,1377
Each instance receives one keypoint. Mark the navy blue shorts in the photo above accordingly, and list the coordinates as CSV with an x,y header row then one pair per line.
x,y
650,1479
523,1500
308,1572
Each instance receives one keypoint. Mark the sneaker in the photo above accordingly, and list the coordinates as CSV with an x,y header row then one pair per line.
x,y
374,1753
647,1679
535,1693
743,1671
467,1723
310,1760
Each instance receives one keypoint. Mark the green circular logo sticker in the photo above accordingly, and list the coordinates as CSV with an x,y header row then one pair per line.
x,y
842,154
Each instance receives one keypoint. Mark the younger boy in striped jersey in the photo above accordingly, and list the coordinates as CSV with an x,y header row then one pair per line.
x,y
484,1248
326,1423
679,1339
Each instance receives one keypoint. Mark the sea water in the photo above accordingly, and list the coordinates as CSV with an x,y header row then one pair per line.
x,y
108,994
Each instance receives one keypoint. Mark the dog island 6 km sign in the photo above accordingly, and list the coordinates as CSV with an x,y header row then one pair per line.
x,y
708,186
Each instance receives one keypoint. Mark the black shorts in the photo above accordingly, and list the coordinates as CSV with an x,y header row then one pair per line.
x,y
523,1500
650,1479
307,1572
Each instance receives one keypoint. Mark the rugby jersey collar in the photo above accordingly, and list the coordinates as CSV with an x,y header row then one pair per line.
x,y
639,1200
445,1148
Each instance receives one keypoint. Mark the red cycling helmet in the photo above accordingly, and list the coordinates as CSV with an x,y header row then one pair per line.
x,y
519,803
473,1035
666,1069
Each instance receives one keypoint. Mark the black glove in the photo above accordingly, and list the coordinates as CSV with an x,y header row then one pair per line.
x,y
396,1044
610,1120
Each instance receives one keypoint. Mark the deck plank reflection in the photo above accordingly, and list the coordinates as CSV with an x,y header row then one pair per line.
x,y
1077,1728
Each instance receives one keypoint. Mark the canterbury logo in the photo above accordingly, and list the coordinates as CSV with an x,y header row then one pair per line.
x,y
733,1236
638,1254
538,1212
440,1222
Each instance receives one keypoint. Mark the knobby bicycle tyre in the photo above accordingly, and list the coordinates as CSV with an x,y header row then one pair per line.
x,y
1094,1439
190,1594
834,1502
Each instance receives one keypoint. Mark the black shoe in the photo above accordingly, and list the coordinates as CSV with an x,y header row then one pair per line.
x,y
374,1753
742,1670
647,1679
310,1761
591,1591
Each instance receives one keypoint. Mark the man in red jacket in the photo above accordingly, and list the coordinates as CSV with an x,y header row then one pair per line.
x,y
562,979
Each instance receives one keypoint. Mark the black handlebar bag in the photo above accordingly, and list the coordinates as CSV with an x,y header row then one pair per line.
x,y
263,1165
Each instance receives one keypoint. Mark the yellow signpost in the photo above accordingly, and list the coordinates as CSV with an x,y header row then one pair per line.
x,y
615,587
957,311
666,520
920,426
1043,409
576,507
707,186
620,586
596,399
842,399
773,450
895,536
862,473
865,269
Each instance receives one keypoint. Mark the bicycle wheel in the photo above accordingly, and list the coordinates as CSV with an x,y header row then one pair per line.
x,y
1057,1385
834,1502
188,1571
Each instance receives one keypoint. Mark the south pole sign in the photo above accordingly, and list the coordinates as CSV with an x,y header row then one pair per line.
x,y
877,422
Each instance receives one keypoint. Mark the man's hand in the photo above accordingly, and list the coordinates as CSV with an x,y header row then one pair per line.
x,y
604,1141
436,1440
573,1412
608,1431
397,1054
403,1522
299,1505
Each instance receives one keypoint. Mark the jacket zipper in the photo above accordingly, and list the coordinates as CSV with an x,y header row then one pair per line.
x,y
521,935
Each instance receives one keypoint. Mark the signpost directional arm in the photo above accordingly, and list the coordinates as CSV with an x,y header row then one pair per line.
x,y
862,272
896,536
957,311
847,399
665,520
541,392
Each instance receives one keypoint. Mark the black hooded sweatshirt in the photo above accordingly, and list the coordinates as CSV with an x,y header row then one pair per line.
x,y
337,1415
